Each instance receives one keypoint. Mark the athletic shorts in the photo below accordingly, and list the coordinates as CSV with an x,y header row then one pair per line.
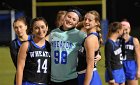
x,y
81,78
30,83
118,76
130,69
95,78
68,82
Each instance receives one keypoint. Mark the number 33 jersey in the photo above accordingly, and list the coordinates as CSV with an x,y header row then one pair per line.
x,y
37,66
64,50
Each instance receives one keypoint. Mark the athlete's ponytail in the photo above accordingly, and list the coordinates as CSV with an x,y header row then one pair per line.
x,y
98,26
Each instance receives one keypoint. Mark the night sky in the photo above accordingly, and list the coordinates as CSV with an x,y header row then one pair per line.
x,y
116,9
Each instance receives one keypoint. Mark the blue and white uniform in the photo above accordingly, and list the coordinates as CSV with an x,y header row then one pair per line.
x,y
114,62
14,48
37,65
95,78
130,65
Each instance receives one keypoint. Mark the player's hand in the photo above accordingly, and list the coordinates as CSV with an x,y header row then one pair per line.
x,y
112,81
97,58
138,74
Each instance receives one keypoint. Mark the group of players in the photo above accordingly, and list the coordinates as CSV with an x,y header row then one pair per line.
x,y
69,53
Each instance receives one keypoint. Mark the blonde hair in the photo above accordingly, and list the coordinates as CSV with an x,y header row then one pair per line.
x,y
59,15
98,26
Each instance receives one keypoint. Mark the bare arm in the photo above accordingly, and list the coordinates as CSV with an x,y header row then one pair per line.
x,y
137,51
21,63
90,46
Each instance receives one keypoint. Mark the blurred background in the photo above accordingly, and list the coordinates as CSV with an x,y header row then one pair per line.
x,y
110,10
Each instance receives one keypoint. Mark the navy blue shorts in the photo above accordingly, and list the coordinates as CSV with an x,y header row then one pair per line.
x,y
118,76
130,69
30,83
81,78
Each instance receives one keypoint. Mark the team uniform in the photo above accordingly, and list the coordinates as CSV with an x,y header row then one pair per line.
x,y
114,62
64,52
95,78
130,65
37,65
81,68
14,48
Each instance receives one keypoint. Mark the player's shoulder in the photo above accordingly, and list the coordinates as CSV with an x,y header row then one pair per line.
x,y
109,42
135,40
55,30
13,43
80,33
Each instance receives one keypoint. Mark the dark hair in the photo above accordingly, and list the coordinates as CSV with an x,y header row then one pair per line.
x,y
37,19
114,27
23,19
77,12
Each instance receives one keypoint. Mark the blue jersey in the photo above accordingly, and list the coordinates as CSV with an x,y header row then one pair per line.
x,y
113,57
14,48
64,51
130,65
129,49
37,65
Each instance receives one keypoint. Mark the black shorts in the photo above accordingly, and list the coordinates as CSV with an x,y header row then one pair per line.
x,y
68,82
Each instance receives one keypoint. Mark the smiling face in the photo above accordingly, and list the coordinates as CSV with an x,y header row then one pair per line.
x,y
20,28
126,27
89,21
40,29
71,20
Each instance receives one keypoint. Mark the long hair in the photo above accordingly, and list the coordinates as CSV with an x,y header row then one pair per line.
x,y
113,27
98,26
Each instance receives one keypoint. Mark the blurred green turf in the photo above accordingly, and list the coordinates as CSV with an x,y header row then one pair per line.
x,y
101,67
7,69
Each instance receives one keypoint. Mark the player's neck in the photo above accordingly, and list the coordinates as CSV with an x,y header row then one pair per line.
x,y
23,38
114,37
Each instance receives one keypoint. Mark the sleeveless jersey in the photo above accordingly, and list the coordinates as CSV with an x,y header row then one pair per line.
x,y
82,56
96,52
37,65
129,49
14,48
64,51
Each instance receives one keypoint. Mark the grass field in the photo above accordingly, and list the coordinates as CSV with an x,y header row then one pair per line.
x,y
7,69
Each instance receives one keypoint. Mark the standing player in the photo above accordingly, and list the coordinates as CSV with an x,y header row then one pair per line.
x,y
132,54
33,65
65,43
92,25
113,56
20,27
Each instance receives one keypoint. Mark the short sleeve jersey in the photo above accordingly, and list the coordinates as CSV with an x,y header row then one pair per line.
x,y
64,51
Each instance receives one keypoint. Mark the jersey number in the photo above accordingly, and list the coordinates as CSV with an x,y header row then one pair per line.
x,y
60,57
43,66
